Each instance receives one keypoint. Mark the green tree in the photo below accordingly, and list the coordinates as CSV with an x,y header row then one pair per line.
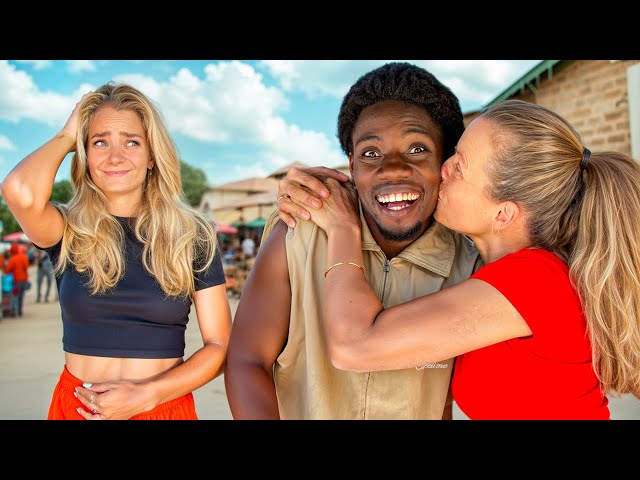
x,y
9,224
61,191
194,183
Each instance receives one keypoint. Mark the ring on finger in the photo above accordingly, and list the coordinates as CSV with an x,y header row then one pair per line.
x,y
282,196
91,398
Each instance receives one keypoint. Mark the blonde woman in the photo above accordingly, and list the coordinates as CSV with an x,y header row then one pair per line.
x,y
130,258
551,323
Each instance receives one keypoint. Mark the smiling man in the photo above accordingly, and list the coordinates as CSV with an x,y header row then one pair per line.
x,y
397,124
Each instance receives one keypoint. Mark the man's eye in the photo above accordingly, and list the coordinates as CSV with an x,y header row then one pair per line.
x,y
419,149
370,154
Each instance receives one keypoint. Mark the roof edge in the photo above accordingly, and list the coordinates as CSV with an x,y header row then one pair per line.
x,y
525,80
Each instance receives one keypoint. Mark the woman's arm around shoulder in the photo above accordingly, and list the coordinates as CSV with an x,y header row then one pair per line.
x,y
364,336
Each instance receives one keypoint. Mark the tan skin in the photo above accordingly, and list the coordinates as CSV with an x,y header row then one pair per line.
x,y
436,326
398,149
118,158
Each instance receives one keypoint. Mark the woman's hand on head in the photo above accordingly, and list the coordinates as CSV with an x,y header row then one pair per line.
x,y
301,191
70,129
340,207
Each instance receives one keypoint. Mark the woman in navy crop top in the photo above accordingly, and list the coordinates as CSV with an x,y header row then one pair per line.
x,y
130,257
551,323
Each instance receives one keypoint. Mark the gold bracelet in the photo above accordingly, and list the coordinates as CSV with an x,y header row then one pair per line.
x,y
343,263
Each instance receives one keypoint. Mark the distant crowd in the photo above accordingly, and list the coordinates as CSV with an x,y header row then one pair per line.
x,y
14,265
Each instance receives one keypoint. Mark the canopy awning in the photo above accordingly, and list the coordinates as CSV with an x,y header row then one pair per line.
x,y
16,237
226,229
256,223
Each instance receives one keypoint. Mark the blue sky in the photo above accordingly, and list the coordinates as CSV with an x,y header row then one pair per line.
x,y
232,118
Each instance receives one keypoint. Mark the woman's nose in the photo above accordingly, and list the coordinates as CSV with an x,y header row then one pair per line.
x,y
115,155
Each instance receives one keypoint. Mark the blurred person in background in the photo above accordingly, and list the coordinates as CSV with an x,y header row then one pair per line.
x,y
44,273
248,246
18,266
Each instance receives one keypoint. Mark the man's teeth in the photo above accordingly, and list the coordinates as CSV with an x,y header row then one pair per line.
x,y
397,197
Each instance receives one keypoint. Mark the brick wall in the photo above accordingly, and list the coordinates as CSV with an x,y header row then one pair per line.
x,y
592,96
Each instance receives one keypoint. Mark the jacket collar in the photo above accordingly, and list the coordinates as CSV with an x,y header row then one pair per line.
x,y
434,249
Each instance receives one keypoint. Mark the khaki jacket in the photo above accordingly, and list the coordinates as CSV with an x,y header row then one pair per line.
x,y
307,385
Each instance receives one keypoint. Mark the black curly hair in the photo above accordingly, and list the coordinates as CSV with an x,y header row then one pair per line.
x,y
408,83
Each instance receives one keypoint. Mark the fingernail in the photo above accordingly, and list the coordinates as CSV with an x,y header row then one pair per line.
x,y
292,224
75,394
79,410
315,203
305,215
324,193
87,385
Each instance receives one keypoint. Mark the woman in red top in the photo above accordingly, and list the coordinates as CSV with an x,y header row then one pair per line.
x,y
550,324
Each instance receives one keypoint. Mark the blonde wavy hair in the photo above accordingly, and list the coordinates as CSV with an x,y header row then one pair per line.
x,y
588,216
177,240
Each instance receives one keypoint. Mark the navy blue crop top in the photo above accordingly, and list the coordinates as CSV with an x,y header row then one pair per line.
x,y
134,319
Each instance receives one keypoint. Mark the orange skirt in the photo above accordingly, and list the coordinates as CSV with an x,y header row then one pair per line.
x,y
64,404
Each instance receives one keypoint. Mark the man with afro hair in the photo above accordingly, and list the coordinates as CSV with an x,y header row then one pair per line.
x,y
397,125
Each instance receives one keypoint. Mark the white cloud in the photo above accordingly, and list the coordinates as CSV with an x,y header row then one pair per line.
x,y
318,77
6,143
291,144
256,170
232,104
37,64
78,66
20,98
233,170
475,82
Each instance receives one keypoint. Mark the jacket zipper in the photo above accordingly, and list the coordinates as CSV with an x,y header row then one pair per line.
x,y
386,267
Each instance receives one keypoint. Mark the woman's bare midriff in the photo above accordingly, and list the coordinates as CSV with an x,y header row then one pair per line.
x,y
104,369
